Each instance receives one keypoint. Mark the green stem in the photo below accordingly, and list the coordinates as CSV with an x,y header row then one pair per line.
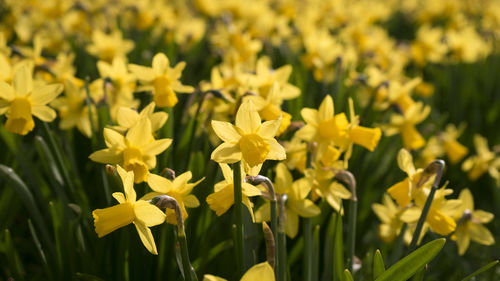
x,y
189,273
308,249
238,216
281,257
351,238
436,166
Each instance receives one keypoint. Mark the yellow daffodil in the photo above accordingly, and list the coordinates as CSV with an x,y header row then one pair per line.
x,y
484,161
141,213
454,150
179,189
323,185
405,124
73,109
136,151
364,136
323,125
127,118
269,107
388,213
262,272
109,46
296,154
248,141
470,224
223,197
403,191
297,203
25,98
161,80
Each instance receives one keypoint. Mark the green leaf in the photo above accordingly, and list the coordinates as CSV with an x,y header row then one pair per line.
x,y
481,270
410,264
347,275
378,265
420,275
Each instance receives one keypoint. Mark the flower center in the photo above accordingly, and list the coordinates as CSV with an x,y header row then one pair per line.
x,y
132,161
254,149
20,120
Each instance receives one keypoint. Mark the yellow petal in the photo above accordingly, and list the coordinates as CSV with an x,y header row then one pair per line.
x,y
382,212
45,94
305,208
120,197
23,81
227,153
482,216
310,115
221,200
160,64
113,138
326,110
366,137
107,156
283,179
44,113
140,134
126,117
463,240
156,147
263,213
480,234
6,91
405,162
159,183
250,190
142,73
208,277
191,201
128,183
411,215
247,118
148,214
467,199
401,192
276,151
269,129
262,272
147,238
226,131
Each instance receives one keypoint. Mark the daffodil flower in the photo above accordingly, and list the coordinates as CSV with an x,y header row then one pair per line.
x,y
179,189
136,151
261,272
128,117
223,197
109,46
405,124
249,141
485,161
73,109
162,80
470,224
388,213
297,203
141,213
25,98
323,185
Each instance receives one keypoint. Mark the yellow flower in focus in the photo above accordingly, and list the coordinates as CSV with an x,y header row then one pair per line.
x,y
223,197
179,189
25,98
248,141
485,161
127,118
141,213
470,224
106,47
161,80
364,136
261,272
323,125
73,109
136,151
297,203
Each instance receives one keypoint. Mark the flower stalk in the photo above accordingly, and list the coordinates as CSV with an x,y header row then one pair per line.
x,y
347,177
238,216
435,167
167,202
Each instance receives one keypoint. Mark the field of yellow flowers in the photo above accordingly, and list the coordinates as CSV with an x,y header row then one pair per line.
x,y
249,140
